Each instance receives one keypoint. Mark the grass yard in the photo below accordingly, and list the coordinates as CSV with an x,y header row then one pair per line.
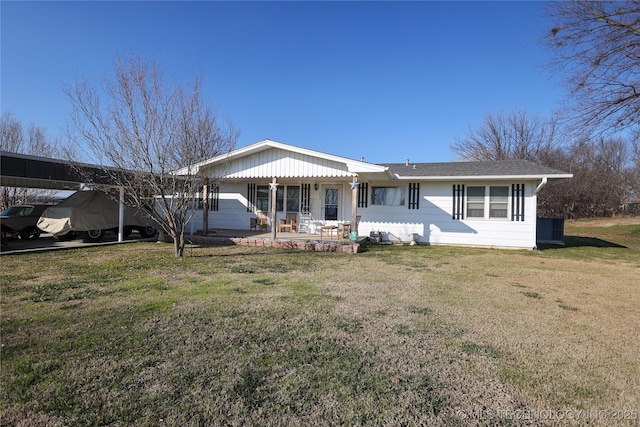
x,y
397,335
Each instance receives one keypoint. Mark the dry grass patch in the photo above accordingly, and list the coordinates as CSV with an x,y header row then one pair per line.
x,y
253,336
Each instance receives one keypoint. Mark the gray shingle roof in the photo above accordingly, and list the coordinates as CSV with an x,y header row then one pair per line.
x,y
495,168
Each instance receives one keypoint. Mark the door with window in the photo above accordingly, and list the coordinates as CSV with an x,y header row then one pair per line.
x,y
331,203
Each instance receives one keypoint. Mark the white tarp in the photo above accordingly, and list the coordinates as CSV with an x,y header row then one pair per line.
x,y
88,210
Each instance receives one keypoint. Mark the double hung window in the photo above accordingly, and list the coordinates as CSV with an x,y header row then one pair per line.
x,y
487,202
289,194
262,198
475,202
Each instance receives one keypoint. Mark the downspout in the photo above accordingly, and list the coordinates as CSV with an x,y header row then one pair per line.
x,y
542,184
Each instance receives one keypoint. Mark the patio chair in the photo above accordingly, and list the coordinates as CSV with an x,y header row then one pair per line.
x,y
308,225
290,223
259,221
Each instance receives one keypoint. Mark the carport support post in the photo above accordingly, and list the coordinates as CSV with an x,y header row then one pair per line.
x,y
121,216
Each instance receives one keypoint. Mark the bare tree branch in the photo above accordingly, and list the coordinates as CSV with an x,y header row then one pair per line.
x,y
596,45
517,135
145,132
16,139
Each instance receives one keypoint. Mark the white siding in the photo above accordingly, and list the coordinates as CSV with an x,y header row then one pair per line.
x,y
432,223
232,210
284,164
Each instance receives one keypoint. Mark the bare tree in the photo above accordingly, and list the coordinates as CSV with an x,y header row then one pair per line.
x,y
517,135
597,46
602,180
15,138
144,133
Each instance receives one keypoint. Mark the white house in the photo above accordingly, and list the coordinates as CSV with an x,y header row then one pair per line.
x,y
490,204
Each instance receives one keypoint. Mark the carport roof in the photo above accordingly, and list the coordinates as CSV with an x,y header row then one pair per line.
x,y
26,171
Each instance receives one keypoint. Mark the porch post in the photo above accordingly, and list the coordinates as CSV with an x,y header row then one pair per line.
x,y
274,194
205,207
354,203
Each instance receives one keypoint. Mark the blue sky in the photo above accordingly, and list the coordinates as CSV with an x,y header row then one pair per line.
x,y
383,80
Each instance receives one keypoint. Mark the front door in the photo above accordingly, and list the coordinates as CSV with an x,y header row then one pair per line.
x,y
331,198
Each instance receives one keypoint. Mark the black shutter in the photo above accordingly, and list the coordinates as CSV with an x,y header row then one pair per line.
x,y
214,197
414,195
517,202
458,201
363,195
251,197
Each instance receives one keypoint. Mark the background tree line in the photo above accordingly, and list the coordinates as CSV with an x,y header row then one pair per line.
x,y
606,169
31,139
595,47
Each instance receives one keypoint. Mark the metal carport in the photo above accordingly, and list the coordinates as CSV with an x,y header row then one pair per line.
x,y
27,171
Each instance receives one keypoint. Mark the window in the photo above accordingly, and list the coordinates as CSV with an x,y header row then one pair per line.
x,y
293,198
280,198
391,196
289,193
331,197
497,202
475,202
262,198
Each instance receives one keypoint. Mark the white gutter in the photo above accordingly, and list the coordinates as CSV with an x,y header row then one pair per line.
x,y
542,184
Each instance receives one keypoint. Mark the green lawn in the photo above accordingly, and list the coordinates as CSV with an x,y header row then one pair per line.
x,y
397,335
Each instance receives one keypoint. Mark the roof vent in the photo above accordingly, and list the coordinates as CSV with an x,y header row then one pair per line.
x,y
362,159
407,163
414,166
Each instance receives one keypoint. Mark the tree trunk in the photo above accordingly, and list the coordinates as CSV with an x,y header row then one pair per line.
x,y
178,245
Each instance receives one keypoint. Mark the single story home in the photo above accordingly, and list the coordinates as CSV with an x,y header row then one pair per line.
x,y
488,204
